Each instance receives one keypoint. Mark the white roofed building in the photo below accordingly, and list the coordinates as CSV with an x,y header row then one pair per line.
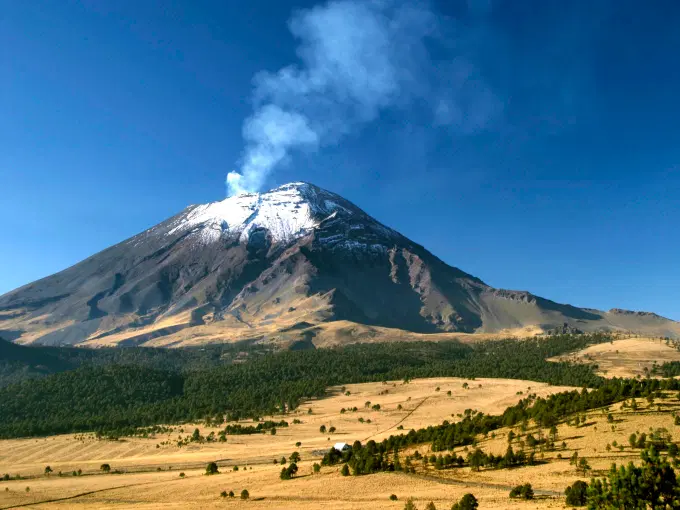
x,y
341,447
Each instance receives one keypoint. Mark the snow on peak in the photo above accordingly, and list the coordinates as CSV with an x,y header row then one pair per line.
x,y
287,212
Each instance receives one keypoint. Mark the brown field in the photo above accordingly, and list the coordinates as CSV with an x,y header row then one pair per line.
x,y
627,357
283,333
142,486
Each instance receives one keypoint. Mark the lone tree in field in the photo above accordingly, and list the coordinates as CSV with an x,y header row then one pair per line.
x,y
105,468
410,505
289,472
467,502
48,470
211,469
522,492
196,436
245,494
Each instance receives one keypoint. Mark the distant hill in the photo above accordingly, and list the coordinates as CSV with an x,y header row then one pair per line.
x,y
18,363
297,266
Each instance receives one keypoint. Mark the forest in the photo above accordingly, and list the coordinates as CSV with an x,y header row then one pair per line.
x,y
105,391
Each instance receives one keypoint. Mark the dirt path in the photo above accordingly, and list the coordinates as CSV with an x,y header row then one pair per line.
x,y
400,421
482,485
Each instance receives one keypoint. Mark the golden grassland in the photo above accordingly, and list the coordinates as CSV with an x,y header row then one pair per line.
x,y
150,474
628,357
140,458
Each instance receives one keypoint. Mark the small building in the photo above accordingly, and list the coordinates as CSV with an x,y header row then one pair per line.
x,y
342,447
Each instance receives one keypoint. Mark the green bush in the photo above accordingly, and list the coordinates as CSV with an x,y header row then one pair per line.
x,y
211,469
522,492
467,502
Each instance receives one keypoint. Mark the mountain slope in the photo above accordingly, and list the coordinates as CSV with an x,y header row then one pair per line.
x,y
279,266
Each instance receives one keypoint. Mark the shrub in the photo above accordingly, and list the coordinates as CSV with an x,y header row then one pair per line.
x,y
245,494
393,497
467,502
211,469
289,472
522,492
223,494
316,467
430,506
410,505
105,468
345,470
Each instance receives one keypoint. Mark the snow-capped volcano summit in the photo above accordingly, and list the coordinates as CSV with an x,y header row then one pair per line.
x,y
286,212
282,215
297,263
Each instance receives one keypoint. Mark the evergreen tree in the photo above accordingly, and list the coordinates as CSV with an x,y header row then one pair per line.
x,y
652,484
211,469
576,493
467,502
410,505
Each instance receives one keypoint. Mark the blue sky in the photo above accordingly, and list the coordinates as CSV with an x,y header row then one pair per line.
x,y
554,168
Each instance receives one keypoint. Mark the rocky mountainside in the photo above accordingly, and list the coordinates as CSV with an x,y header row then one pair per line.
x,y
295,264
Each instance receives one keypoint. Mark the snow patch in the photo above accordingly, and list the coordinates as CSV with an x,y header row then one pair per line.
x,y
287,212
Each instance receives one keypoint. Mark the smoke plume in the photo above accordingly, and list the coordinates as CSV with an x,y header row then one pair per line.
x,y
357,58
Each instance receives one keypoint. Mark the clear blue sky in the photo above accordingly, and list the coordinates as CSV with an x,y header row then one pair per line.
x,y
563,179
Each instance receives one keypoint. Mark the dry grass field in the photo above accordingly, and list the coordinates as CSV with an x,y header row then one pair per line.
x,y
627,357
150,475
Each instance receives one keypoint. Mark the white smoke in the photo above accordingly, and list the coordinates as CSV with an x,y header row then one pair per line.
x,y
358,57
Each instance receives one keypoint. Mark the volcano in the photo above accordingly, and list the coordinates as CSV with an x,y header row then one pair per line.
x,y
297,265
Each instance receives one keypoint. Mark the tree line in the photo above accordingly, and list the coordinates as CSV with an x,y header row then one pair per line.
x,y
123,389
